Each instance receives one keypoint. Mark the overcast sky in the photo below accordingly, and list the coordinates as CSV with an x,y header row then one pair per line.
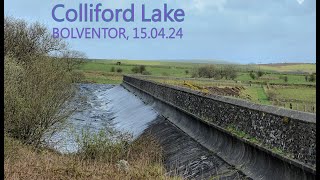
x,y
239,31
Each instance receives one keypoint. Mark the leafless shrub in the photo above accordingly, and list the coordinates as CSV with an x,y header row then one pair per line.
x,y
27,41
212,71
139,69
229,72
72,59
35,99
37,84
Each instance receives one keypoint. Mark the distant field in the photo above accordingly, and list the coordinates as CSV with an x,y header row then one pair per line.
x,y
257,94
180,69
301,97
298,97
275,78
290,67
148,63
101,77
270,89
156,69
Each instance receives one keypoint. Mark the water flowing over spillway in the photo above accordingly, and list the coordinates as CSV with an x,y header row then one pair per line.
x,y
109,106
100,107
130,113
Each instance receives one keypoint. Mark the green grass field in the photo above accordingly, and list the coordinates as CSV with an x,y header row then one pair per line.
x,y
257,95
99,71
275,78
294,94
298,97
290,67
296,90
178,69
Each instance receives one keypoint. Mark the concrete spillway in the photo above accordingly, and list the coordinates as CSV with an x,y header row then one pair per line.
x,y
249,159
103,107
184,156
192,149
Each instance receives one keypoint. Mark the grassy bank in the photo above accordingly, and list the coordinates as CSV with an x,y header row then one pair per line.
x,y
26,162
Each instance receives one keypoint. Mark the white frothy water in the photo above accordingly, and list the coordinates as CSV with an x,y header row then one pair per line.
x,y
104,106
130,113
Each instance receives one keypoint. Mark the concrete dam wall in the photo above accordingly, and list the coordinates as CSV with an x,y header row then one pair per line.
x,y
278,143
112,107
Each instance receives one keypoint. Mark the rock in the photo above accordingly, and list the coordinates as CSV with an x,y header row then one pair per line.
x,y
123,165
273,136
203,157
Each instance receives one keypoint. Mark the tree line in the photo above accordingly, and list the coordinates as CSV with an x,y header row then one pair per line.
x,y
212,71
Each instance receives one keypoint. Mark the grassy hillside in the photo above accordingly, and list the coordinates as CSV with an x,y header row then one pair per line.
x,y
100,70
280,85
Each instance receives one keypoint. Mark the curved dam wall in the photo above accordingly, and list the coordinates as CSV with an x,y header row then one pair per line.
x,y
291,132
103,107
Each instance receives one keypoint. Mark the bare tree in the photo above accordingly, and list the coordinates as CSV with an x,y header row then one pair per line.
x,y
72,59
38,81
24,41
230,72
